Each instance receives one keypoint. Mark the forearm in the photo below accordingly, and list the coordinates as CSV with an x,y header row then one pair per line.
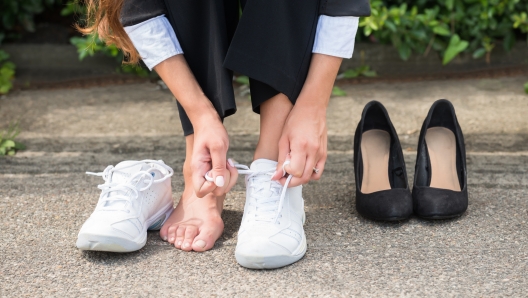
x,y
319,82
178,77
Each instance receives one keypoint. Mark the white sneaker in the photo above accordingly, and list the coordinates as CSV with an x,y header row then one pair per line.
x,y
136,196
271,234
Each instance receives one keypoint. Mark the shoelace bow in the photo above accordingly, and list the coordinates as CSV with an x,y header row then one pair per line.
x,y
262,200
119,189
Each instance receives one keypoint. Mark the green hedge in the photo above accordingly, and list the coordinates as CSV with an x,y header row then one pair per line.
x,y
19,14
447,27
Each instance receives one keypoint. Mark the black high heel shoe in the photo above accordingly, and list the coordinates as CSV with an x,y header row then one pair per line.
x,y
440,179
382,190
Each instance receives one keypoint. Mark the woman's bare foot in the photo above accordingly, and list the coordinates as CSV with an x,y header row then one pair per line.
x,y
196,223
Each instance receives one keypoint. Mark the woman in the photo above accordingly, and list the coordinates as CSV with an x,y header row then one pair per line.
x,y
291,50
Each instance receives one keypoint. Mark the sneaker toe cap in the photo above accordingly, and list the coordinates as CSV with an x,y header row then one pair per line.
x,y
260,247
121,229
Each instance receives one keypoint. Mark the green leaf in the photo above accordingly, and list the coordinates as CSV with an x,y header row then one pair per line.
x,y
244,80
370,73
479,53
351,73
336,91
456,46
19,146
405,51
526,87
441,30
7,144
3,55
449,4
509,42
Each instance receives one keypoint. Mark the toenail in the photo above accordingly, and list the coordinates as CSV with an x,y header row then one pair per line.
x,y
200,243
171,239
179,243
185,245
164,238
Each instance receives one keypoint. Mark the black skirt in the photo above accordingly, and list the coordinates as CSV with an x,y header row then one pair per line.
x,y
271,44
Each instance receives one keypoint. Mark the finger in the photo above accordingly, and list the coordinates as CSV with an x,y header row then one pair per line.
x,y
233,173
220,191
200,184
309,169
297,163
206,188
321,161
284,150
219,171
307,173
320,169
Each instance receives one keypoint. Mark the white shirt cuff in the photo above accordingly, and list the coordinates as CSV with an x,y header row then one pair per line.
x,y
335,36
154,40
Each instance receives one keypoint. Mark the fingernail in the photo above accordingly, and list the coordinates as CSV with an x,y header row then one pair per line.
x,y
219,181
186,244
200,243
231,163
179,243
274,173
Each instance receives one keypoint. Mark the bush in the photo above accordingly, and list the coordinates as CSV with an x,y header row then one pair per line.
x,y
8,145
18,14
7,73
448,27
91,44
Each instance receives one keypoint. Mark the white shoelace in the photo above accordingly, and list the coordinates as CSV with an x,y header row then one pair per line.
x,y
119,190
266,211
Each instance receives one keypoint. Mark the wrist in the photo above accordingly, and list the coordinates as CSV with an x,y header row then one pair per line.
x,y
202,113
311,105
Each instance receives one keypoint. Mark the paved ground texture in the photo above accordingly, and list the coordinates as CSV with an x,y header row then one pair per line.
x,y
45,197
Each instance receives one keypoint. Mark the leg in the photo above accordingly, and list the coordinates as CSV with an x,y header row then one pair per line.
x,y
196,223
273,114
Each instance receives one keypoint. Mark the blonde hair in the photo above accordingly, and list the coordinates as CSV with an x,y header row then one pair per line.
x,y
103,18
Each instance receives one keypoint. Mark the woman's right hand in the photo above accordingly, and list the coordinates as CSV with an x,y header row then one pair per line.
x,y
210,137
210,146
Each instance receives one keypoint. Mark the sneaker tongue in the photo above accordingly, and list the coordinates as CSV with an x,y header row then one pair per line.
x,y
264,180
263,164
122,175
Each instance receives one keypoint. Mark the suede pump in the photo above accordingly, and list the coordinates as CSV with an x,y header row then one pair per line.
x,y
382,190
440,179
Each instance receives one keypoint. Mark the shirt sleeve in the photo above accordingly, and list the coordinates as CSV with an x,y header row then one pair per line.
x,y
155,40
335,36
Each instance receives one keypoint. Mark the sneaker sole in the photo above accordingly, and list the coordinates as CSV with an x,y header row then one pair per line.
x,y
271,262
88,241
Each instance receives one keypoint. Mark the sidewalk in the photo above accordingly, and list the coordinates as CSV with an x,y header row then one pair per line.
x,y
45,197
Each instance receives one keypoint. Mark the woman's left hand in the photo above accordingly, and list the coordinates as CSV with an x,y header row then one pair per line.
x,y
304,144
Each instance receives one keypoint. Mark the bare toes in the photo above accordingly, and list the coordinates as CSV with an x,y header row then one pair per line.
x,y
164,231
207,237
180,234
171,233
190,234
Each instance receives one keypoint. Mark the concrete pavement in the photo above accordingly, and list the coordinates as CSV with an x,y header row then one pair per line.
x,y
45,197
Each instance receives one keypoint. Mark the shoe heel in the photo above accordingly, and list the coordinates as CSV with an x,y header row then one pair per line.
x,y
158,223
